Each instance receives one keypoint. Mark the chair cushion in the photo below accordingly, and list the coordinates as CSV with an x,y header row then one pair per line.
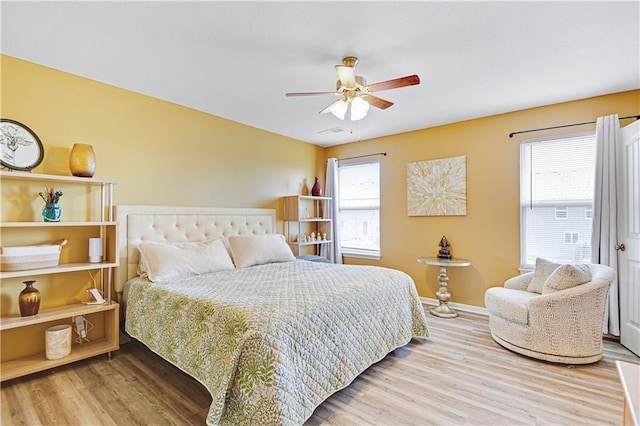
x,y
543,270
567,276
509,304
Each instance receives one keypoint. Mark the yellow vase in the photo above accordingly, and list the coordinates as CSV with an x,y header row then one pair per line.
x,y
82,160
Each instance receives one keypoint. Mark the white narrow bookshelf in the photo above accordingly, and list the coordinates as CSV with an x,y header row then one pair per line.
x,y
303,217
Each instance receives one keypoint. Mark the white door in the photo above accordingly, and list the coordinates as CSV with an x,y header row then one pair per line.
x,y
629,236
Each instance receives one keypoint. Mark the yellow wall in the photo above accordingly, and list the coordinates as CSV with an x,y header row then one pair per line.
x,y
489,235
161,154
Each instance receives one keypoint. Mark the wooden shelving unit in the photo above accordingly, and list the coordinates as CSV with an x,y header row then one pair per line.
x,y
107,228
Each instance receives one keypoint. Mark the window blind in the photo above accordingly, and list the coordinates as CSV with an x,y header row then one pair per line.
x,y
359,206
556,198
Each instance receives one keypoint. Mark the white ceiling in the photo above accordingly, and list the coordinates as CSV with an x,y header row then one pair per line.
x,y
238,59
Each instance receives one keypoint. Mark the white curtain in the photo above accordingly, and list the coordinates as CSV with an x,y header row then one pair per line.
x,y
605,213
332,251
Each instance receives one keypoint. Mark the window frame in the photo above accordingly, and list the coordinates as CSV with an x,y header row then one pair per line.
x,y
571,234
588,213
564,213
524,265
358,252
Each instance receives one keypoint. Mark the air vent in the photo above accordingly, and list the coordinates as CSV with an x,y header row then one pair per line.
x,y
331,130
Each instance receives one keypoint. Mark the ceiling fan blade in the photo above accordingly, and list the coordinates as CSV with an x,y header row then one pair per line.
x,y
346,75
313,94
376,101
409,80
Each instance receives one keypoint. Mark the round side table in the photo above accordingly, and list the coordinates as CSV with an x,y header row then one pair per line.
x,y
444,310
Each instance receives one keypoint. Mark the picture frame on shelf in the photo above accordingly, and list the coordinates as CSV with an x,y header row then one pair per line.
x,y
21,148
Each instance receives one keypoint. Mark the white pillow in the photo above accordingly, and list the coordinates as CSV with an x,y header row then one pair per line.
x,y
259,249
162,261
544,268
567,276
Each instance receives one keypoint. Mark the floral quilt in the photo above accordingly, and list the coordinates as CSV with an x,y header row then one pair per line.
x,y
271,342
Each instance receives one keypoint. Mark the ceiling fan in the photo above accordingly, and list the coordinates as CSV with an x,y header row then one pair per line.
x,y
355,92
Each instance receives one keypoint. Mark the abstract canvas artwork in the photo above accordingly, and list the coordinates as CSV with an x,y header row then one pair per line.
x,y
437,187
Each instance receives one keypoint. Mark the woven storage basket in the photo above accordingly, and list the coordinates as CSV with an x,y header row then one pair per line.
x,y
30,257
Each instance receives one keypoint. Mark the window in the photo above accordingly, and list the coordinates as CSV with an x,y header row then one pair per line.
x,y
359,205
588,212
562,212
571,237
556,196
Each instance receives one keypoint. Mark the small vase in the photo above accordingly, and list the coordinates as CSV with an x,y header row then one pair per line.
x,y
82,160
316,191
304,188
29,300
52,212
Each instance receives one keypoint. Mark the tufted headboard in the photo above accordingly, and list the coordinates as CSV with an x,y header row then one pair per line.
x,y
137,224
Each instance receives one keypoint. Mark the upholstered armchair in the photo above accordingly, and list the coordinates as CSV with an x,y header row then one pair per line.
x,y
555,313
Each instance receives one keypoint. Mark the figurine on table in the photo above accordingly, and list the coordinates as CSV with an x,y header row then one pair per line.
x,y
444,252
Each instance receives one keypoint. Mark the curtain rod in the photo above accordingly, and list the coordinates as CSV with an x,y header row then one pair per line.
x,y
363,156
637,117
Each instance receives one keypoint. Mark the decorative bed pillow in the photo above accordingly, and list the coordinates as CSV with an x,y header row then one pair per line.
x,y
259,249
567,276
544,268
162,261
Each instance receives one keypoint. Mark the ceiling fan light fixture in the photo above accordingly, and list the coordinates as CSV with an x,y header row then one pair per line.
x,y
359,108
339,109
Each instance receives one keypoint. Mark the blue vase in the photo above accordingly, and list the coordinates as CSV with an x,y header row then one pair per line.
x,y
52,212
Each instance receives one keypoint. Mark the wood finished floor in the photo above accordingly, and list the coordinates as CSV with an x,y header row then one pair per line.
x,y
459,376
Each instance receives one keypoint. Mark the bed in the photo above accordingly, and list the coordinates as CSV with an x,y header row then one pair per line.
x,y
269,336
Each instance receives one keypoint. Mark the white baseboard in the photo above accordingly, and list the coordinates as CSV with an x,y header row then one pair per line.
x,y
457,306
